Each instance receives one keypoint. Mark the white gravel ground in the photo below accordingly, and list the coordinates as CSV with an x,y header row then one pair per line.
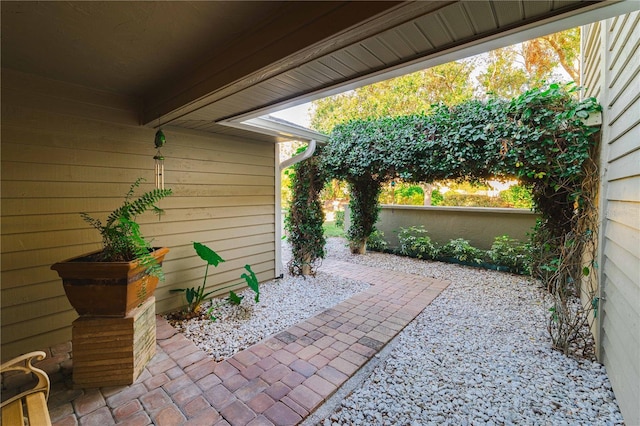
x,y
479,354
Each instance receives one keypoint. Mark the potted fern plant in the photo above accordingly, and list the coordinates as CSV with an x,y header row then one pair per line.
x,y
118,278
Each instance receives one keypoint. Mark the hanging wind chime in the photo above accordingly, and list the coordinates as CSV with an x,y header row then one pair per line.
x,y
159,159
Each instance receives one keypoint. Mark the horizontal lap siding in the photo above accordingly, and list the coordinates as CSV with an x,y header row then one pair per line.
x,y
226,201
591,60
620,233
67,150
591,80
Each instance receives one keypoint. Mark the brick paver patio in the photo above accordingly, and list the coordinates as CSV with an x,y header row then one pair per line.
x,y
279,381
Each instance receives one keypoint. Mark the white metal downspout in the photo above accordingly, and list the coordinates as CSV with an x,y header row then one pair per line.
x,y
300,157
308,153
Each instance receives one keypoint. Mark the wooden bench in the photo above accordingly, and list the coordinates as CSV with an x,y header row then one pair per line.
x,y
30,406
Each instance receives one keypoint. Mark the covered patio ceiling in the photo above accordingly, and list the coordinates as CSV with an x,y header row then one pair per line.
x,y
198,64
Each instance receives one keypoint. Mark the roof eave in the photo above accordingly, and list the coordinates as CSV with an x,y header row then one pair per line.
x,y
277,127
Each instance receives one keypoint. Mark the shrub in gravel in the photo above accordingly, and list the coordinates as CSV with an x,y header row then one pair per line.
x,y
461,250
414,242
511,253
376,241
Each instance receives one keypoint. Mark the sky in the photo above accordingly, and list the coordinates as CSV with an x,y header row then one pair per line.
x,y
298,114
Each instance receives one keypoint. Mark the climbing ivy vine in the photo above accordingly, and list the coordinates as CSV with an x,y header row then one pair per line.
x,y
304,220
538,137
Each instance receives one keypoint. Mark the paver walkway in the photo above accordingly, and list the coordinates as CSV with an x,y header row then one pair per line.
x,y
278,381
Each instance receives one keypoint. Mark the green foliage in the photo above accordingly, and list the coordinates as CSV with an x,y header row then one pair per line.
x,y
285,188
502,77
121,237
511,253
505,254
410,195
537,137
376,241
305,219
437,199
234,299
550,150
518,196
455,199
339,218
545,251
252,282
403,193
415,242
208,255
505,73
334,189
460,249
366,154
288,150
195,296
368,149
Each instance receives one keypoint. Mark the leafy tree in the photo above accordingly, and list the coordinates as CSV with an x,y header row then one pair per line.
x,y
565,47
502,77
507,72
408,94
511,70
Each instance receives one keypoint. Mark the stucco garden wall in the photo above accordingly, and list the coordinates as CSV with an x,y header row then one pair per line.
x,y
479,225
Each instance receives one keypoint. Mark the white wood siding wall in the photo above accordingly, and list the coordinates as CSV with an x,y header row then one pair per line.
x,y
612,74
66,150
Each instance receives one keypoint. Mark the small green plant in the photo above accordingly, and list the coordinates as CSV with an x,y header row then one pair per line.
x,y
460,249
121,237
376,241
252,283
511,253
195,296
415,242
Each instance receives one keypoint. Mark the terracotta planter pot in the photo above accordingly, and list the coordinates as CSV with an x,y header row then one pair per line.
x,y
106,289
